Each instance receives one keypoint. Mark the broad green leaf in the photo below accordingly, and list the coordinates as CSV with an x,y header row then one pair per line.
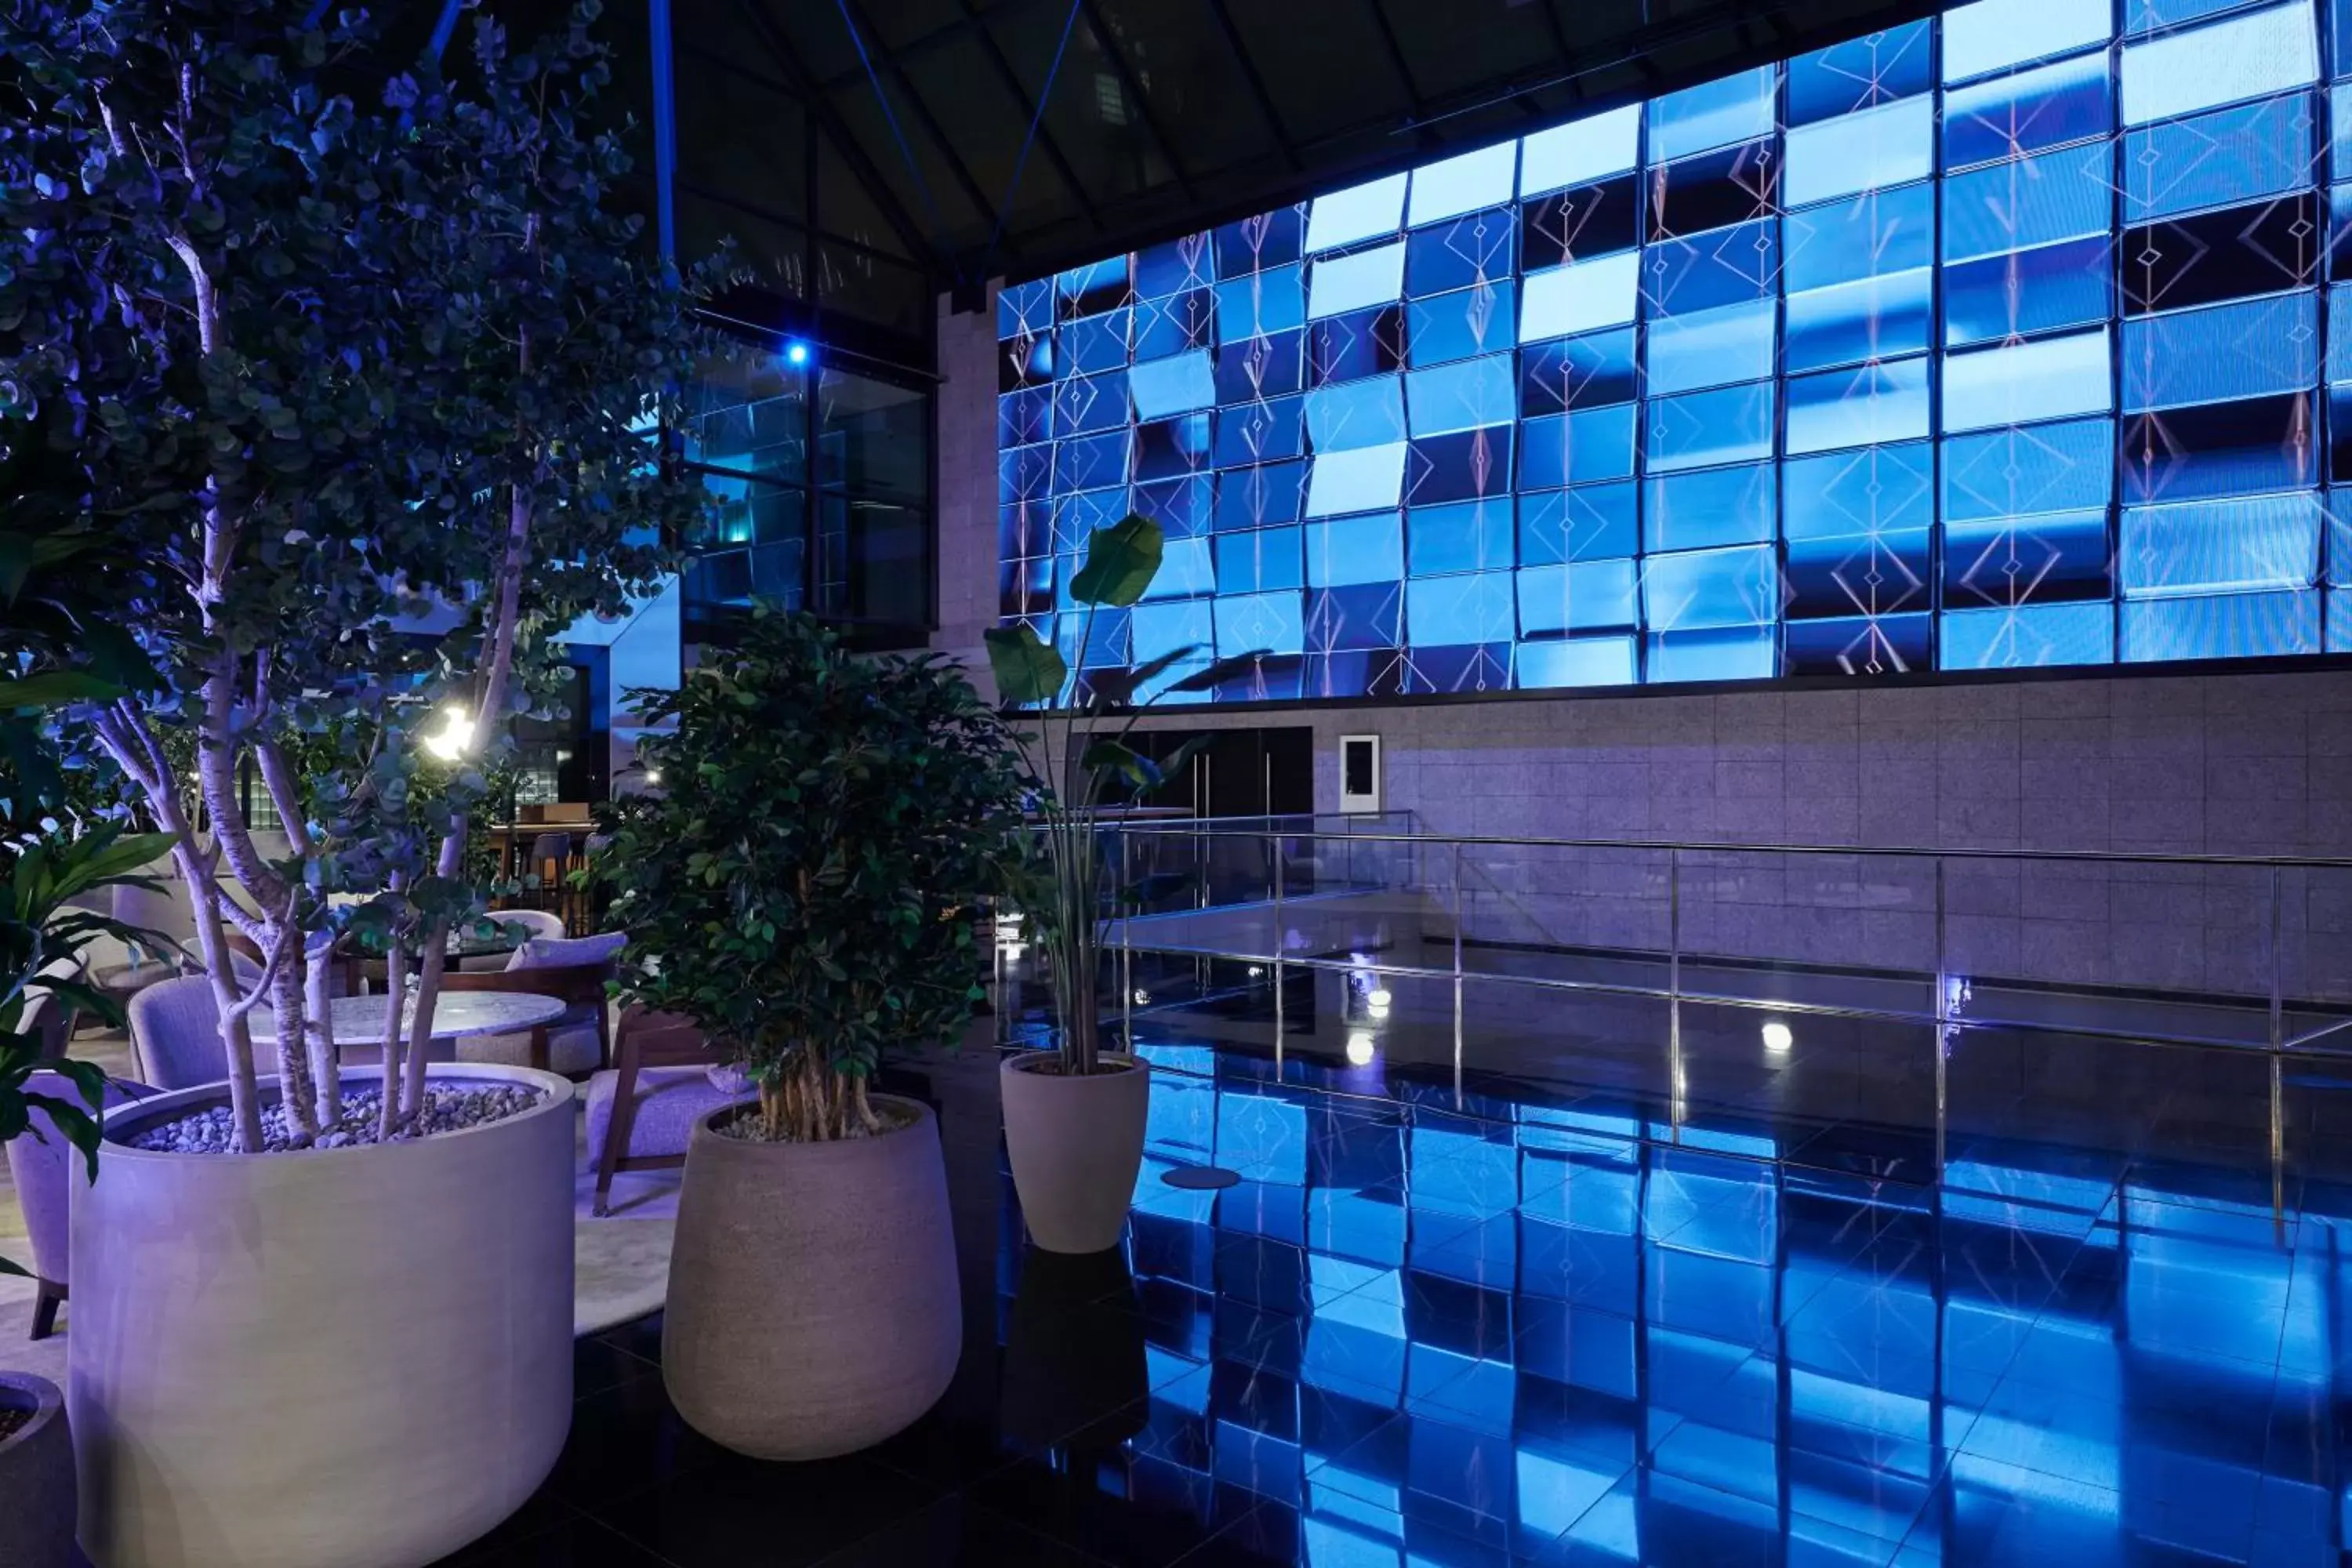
x,y
1027,668
1177,761
1121,561
80,1129
55,688
1117,688
109,862
1108,756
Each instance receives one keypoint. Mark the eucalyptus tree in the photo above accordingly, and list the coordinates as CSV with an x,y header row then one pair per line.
x,y
363,356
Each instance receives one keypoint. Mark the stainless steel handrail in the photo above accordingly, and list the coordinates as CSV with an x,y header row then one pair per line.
x,y
1689,846
1944,1012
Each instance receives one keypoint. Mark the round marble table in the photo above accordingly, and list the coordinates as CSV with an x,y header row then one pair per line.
x,y
359,1020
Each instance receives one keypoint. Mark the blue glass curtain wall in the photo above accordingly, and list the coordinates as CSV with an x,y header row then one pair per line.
x,y
2005,339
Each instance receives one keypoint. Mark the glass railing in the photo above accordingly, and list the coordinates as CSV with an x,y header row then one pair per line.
x,y
2202,950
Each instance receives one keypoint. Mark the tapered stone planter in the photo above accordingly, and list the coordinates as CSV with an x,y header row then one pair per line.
x,y
813,1303
1076,1146
355,1356
36,1477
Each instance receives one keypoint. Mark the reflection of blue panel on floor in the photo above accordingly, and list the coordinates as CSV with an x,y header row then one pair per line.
x,y
1366,1226
1261,1138
1458,1170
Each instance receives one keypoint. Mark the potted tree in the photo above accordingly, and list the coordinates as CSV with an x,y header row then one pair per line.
x,y
802,888
356,362
57,843
1074,1115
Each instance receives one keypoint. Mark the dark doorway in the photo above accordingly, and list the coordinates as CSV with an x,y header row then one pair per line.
x,y
1235,773
565,756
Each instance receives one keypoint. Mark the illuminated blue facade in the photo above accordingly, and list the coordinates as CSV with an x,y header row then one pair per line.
x,y
1994,341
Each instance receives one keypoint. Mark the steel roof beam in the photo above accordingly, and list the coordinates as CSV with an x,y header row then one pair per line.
x,y
1160,139
927,251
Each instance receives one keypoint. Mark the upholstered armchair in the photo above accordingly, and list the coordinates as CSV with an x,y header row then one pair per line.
x,y
667,1077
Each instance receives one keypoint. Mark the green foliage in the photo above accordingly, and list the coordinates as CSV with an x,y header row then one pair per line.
x,y
1027,669
427,314
1121,561
358,365
40,929
803,887
1064,887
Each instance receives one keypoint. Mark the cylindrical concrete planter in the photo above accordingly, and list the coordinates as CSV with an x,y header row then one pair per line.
x,y
36,1477
1076,1146
813,1303
360,1356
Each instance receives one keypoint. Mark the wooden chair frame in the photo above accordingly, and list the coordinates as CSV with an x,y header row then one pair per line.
x,y
648,1040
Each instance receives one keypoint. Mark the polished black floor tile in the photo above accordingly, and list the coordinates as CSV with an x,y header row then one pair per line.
x,y
1532,1307
956,1533
624,1439
734,1510
576,1543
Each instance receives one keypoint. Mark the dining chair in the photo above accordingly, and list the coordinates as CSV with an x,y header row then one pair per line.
x,y
541,924
175,1033
46,1020
667,1077
44,1167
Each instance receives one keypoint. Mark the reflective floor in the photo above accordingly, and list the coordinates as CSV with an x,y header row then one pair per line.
x,y
1554,1292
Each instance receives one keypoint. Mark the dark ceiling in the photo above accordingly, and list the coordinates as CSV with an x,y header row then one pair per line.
x,y
923,138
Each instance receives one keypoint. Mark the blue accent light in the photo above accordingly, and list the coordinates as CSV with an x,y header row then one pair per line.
x,y
796,353
1994,339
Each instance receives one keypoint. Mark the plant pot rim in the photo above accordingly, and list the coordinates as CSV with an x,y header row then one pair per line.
x,y
1031,1061
708,1127
128,1119
29,1391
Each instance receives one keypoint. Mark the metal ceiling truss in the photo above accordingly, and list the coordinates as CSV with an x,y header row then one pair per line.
x,y
1070,222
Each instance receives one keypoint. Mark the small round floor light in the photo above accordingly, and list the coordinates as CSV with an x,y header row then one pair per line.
x,y
1360,1047
1777,1036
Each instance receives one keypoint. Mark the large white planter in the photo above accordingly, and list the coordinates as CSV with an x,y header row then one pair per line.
x,y
354,1356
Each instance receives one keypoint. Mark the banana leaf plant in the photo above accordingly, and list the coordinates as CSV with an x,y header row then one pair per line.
x,y
1079,749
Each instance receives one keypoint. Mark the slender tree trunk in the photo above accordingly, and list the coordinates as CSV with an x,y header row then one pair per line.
x,y
326,1070
236,1035
216,771
294,1085
396,989
123,731
432,963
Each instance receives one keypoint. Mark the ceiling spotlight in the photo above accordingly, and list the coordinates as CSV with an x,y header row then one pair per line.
x,y
1254,970
1777,1036
796,353
1142,997
1379,999
1360,1047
